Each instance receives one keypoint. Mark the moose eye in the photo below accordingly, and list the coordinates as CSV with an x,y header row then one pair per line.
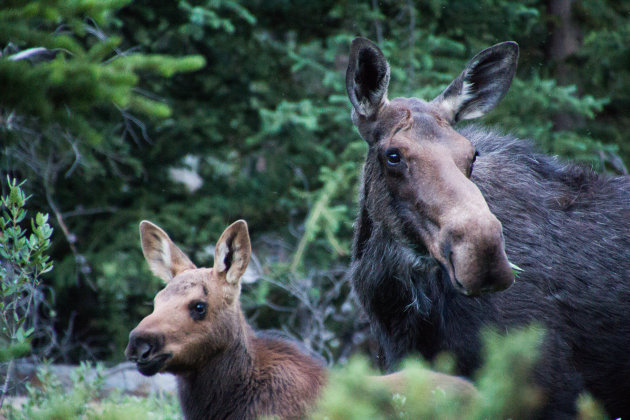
x,y
198,310
393,157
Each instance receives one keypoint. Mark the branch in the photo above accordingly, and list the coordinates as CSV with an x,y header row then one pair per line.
x,y
377,25
5,386
70,237
88,212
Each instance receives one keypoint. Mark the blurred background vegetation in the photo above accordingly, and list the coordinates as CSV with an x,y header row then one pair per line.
x,y
194,113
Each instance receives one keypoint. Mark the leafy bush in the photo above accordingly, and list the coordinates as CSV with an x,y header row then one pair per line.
x,y
504,390
85,401
23,260
504,386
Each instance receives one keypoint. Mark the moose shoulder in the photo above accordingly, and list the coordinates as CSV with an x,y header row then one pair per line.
x,y
442,210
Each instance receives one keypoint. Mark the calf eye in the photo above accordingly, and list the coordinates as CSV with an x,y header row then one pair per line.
x,y
198,310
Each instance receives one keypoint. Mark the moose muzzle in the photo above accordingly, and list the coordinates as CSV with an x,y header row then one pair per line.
x,y
473,255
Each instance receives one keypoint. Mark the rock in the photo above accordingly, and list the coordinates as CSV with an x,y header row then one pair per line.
x,y
126,378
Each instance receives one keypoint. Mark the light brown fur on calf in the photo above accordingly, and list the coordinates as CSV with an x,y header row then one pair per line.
x,y
197,331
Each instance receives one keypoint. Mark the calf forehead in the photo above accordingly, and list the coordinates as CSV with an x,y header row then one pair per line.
x,y
191,282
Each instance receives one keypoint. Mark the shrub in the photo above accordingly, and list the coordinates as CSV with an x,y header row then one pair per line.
x,y
23,260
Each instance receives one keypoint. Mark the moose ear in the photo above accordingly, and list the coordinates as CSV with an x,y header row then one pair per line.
x,y
367,77
483,83
165,259
232,252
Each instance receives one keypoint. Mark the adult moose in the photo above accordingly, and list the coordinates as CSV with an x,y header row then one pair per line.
x,y
428,241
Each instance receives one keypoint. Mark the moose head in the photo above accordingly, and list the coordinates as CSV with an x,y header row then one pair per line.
x,y
197,315
418,169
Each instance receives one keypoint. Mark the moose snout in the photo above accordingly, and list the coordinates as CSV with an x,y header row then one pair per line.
x,y
142,347
475,254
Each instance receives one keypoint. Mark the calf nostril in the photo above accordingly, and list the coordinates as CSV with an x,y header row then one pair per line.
x,y
140,347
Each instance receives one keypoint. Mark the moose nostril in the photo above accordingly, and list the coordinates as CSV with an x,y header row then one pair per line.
x,y
140,348
145,350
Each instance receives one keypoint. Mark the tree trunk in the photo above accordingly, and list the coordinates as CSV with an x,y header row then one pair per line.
x,y
565,38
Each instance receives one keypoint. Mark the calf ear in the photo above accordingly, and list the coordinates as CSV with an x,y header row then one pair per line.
x,y
165,259
367,77
232,252
483,83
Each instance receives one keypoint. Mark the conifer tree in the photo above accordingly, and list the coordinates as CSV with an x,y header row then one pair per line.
x,y
72,110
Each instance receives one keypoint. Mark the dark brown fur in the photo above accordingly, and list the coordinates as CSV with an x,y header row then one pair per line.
x,y
565,226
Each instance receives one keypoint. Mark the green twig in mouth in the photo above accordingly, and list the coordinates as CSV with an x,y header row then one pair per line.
x,y
516,269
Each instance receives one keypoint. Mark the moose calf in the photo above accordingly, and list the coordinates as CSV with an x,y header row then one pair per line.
x,y
197,331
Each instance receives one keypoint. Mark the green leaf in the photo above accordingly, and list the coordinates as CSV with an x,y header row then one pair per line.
x,y
516,270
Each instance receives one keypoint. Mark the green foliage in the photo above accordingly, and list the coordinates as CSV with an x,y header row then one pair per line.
x,y
75,77
504,386
23,260
51,401
131,408
84,400
588,408
68,121
545,98
355,391
324,219
205,15
512,394
369,401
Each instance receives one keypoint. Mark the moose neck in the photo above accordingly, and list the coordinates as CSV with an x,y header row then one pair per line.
x,y
213,390
253,377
